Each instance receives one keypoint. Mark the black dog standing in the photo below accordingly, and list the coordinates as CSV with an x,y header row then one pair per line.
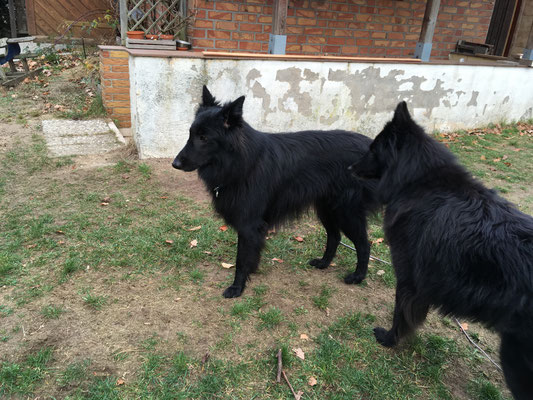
x,y
455,245
259,180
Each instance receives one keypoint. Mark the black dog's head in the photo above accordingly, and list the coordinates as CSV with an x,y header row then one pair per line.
x,y
212,122
384,149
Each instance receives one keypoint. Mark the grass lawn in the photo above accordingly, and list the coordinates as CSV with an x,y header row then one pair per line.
x,y
111,285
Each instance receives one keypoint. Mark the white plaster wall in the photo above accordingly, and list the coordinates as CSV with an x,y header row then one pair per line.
x,y
297,95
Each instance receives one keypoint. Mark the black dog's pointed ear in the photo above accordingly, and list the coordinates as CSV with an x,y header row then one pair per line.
x,y
207,98
232,113
401,114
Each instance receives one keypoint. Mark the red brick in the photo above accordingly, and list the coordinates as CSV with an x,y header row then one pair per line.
x,y
395,35
310,49
205,4
340,7
116,61
116,75
242,36
336,40
251,27
305,13
219,35
314,31
104,53
265,19
203,24
394,52
227,6
348,50
230,26
197,33
331,49
252,46
316,39
251,9
119,90
225,44
295,30
220,15
203,43
118,97
119,68
378,35
294,48
116,83
307,21
262,37
361,34
117,104
120,110
363,42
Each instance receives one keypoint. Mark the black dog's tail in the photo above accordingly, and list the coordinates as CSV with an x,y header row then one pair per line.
x,y
517,361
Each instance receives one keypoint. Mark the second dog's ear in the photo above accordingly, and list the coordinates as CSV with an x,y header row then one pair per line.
x,y
207,98
232,113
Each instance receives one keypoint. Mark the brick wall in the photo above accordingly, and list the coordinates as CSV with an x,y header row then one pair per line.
x,y
115,80
387,28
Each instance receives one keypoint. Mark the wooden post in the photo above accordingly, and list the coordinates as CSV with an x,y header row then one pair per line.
x,y
12,18
123,4
423,47
528,50
278,39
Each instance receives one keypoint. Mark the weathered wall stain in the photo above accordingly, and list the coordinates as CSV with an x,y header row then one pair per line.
x,y
293,76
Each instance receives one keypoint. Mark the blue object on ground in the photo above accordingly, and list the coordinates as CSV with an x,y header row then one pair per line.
x,y
13,50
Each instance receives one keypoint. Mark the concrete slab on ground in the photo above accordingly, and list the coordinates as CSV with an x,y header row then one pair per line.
x,y
70,138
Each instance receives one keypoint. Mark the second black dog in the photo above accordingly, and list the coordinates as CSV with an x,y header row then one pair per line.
x,y
455,245
259,180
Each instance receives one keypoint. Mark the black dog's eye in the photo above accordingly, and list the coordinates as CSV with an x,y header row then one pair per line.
x,y
202,138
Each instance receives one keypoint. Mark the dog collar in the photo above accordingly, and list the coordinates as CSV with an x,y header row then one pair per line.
x,y
216,190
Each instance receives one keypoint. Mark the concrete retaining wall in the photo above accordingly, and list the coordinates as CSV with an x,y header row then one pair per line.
x,y
297,95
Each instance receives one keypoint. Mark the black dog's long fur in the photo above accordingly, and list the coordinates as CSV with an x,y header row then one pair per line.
x,y
258,180
455,245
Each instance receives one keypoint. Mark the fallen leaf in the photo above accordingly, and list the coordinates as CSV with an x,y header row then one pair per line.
x,y
195,228
327,311
103,204
106,200
164,197
303,336
299,353
226,265
169,241
120,382
504,157
464,325
208,252
380,272
205,357
60,232
312,381
31,246
378,241
298,238
497,160
279,260
508,164
298,395
193,243
482,158
223,228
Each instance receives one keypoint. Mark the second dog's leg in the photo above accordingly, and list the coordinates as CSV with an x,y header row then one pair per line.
x,y
409,312
517,362
250,244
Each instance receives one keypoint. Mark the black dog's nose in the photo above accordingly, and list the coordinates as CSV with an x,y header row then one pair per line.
x,y
177,164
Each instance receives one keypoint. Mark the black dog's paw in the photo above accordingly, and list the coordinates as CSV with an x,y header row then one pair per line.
x,y
233,291
383,337
354,278
318,263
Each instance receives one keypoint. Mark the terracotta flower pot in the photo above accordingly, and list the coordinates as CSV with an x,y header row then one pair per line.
x,y
135,34
166,37
152,37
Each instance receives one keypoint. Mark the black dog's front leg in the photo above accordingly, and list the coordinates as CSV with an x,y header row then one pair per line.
x,y
250,244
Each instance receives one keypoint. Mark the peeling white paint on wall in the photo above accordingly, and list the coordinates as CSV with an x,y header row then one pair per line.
x,y
298,95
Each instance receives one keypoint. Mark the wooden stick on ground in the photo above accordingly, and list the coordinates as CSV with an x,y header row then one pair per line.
x,y
278,378
298,395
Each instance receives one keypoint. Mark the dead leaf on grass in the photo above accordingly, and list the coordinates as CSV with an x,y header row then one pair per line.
x,y
226,265
120,382
380,272
464,325
193,243
378,241
312,381
303,336
195,228
169,241
278,260
298,238
299,353
223,228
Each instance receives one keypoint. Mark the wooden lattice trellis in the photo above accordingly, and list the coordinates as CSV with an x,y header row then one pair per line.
x,y
156,16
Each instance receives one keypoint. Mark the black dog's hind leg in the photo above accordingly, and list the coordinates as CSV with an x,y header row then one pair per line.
x,y
409,312
333,237
249,246
517,363
353,224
